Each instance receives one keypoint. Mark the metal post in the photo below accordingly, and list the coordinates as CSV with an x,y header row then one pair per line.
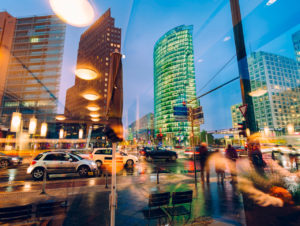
x,y
44,183
113,186
106,179
157,175
242,64
192,142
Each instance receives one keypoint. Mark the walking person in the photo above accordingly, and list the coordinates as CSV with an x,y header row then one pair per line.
x,y
219,166
231,154
256,158
204,165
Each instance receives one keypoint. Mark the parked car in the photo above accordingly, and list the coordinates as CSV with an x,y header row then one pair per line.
x,y
102,155
60,162
144,150
83,153
9,160
161,154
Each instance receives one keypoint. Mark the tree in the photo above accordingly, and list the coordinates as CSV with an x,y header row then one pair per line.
x,y
210,137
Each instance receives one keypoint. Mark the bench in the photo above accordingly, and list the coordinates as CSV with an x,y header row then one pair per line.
x,y
179,200
156,202
16,213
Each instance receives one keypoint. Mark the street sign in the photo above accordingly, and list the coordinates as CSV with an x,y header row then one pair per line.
x,y
181,111
243,109
199,121
198,113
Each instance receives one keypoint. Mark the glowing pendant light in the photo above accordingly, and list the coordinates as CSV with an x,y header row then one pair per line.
x,y
61,133
80,134
15,122
32,125
93,107
86,74
79,13
44,128
60,117
94,115
90,96
95,119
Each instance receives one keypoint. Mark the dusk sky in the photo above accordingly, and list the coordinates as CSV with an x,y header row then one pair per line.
x,y
267,27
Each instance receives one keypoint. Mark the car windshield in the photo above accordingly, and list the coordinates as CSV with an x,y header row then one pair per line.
x,y
77,156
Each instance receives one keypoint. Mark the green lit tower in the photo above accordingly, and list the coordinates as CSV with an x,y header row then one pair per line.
x,y
174,84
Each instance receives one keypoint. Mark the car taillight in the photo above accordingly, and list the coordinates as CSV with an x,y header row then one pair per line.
x,y
33,162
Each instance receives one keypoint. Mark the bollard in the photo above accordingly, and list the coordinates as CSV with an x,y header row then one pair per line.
x,y
44,183
106,179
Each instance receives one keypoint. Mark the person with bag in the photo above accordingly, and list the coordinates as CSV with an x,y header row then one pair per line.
x,y
256,158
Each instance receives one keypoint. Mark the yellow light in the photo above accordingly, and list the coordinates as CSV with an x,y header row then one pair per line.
x,y
32,125
44,128
86,74
80,134
60,117
79,13
93,108
90,96
248,132
61,133
15,122
95,119
94,114
290,129
258,93
266,130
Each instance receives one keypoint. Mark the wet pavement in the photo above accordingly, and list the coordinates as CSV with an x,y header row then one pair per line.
x,y
213,204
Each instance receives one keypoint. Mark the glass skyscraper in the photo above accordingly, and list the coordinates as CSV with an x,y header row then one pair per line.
x,y
34,70
278,75
296,42
174,83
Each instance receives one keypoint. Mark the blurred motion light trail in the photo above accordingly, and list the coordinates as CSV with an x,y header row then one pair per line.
x,y
79,13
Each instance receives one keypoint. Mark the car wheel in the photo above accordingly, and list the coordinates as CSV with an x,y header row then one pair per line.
x,y
83,171
3,163
149,158
130,163
38,174
99,164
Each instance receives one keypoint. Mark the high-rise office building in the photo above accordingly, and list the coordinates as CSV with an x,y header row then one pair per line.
x,y
174,83
33,75
236,115
143,128
296,42
7,30
279,75
95,46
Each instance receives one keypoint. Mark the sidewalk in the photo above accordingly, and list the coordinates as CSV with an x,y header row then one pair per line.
x,y
213,204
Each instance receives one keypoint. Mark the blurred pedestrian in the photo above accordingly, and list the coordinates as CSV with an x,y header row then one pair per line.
x,y
256,157
231,154
204,165
293,157
219,165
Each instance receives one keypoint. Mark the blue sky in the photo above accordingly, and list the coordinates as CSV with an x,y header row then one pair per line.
x,y
143,22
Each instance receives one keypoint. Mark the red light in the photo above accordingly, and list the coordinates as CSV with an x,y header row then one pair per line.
x,y
33,162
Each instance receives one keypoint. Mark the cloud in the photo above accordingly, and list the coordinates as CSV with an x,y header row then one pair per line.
x,y
227,38
271,2
200,60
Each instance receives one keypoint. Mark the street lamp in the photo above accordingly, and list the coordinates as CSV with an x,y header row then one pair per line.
x,y
94,115
61,133
95,119
80,134
290,129
78,13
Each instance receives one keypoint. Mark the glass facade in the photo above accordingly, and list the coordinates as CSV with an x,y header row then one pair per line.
x,y
174,83
279,75
34,70
236,115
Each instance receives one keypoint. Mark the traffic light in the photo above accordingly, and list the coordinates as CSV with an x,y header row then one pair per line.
x,y
242,129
